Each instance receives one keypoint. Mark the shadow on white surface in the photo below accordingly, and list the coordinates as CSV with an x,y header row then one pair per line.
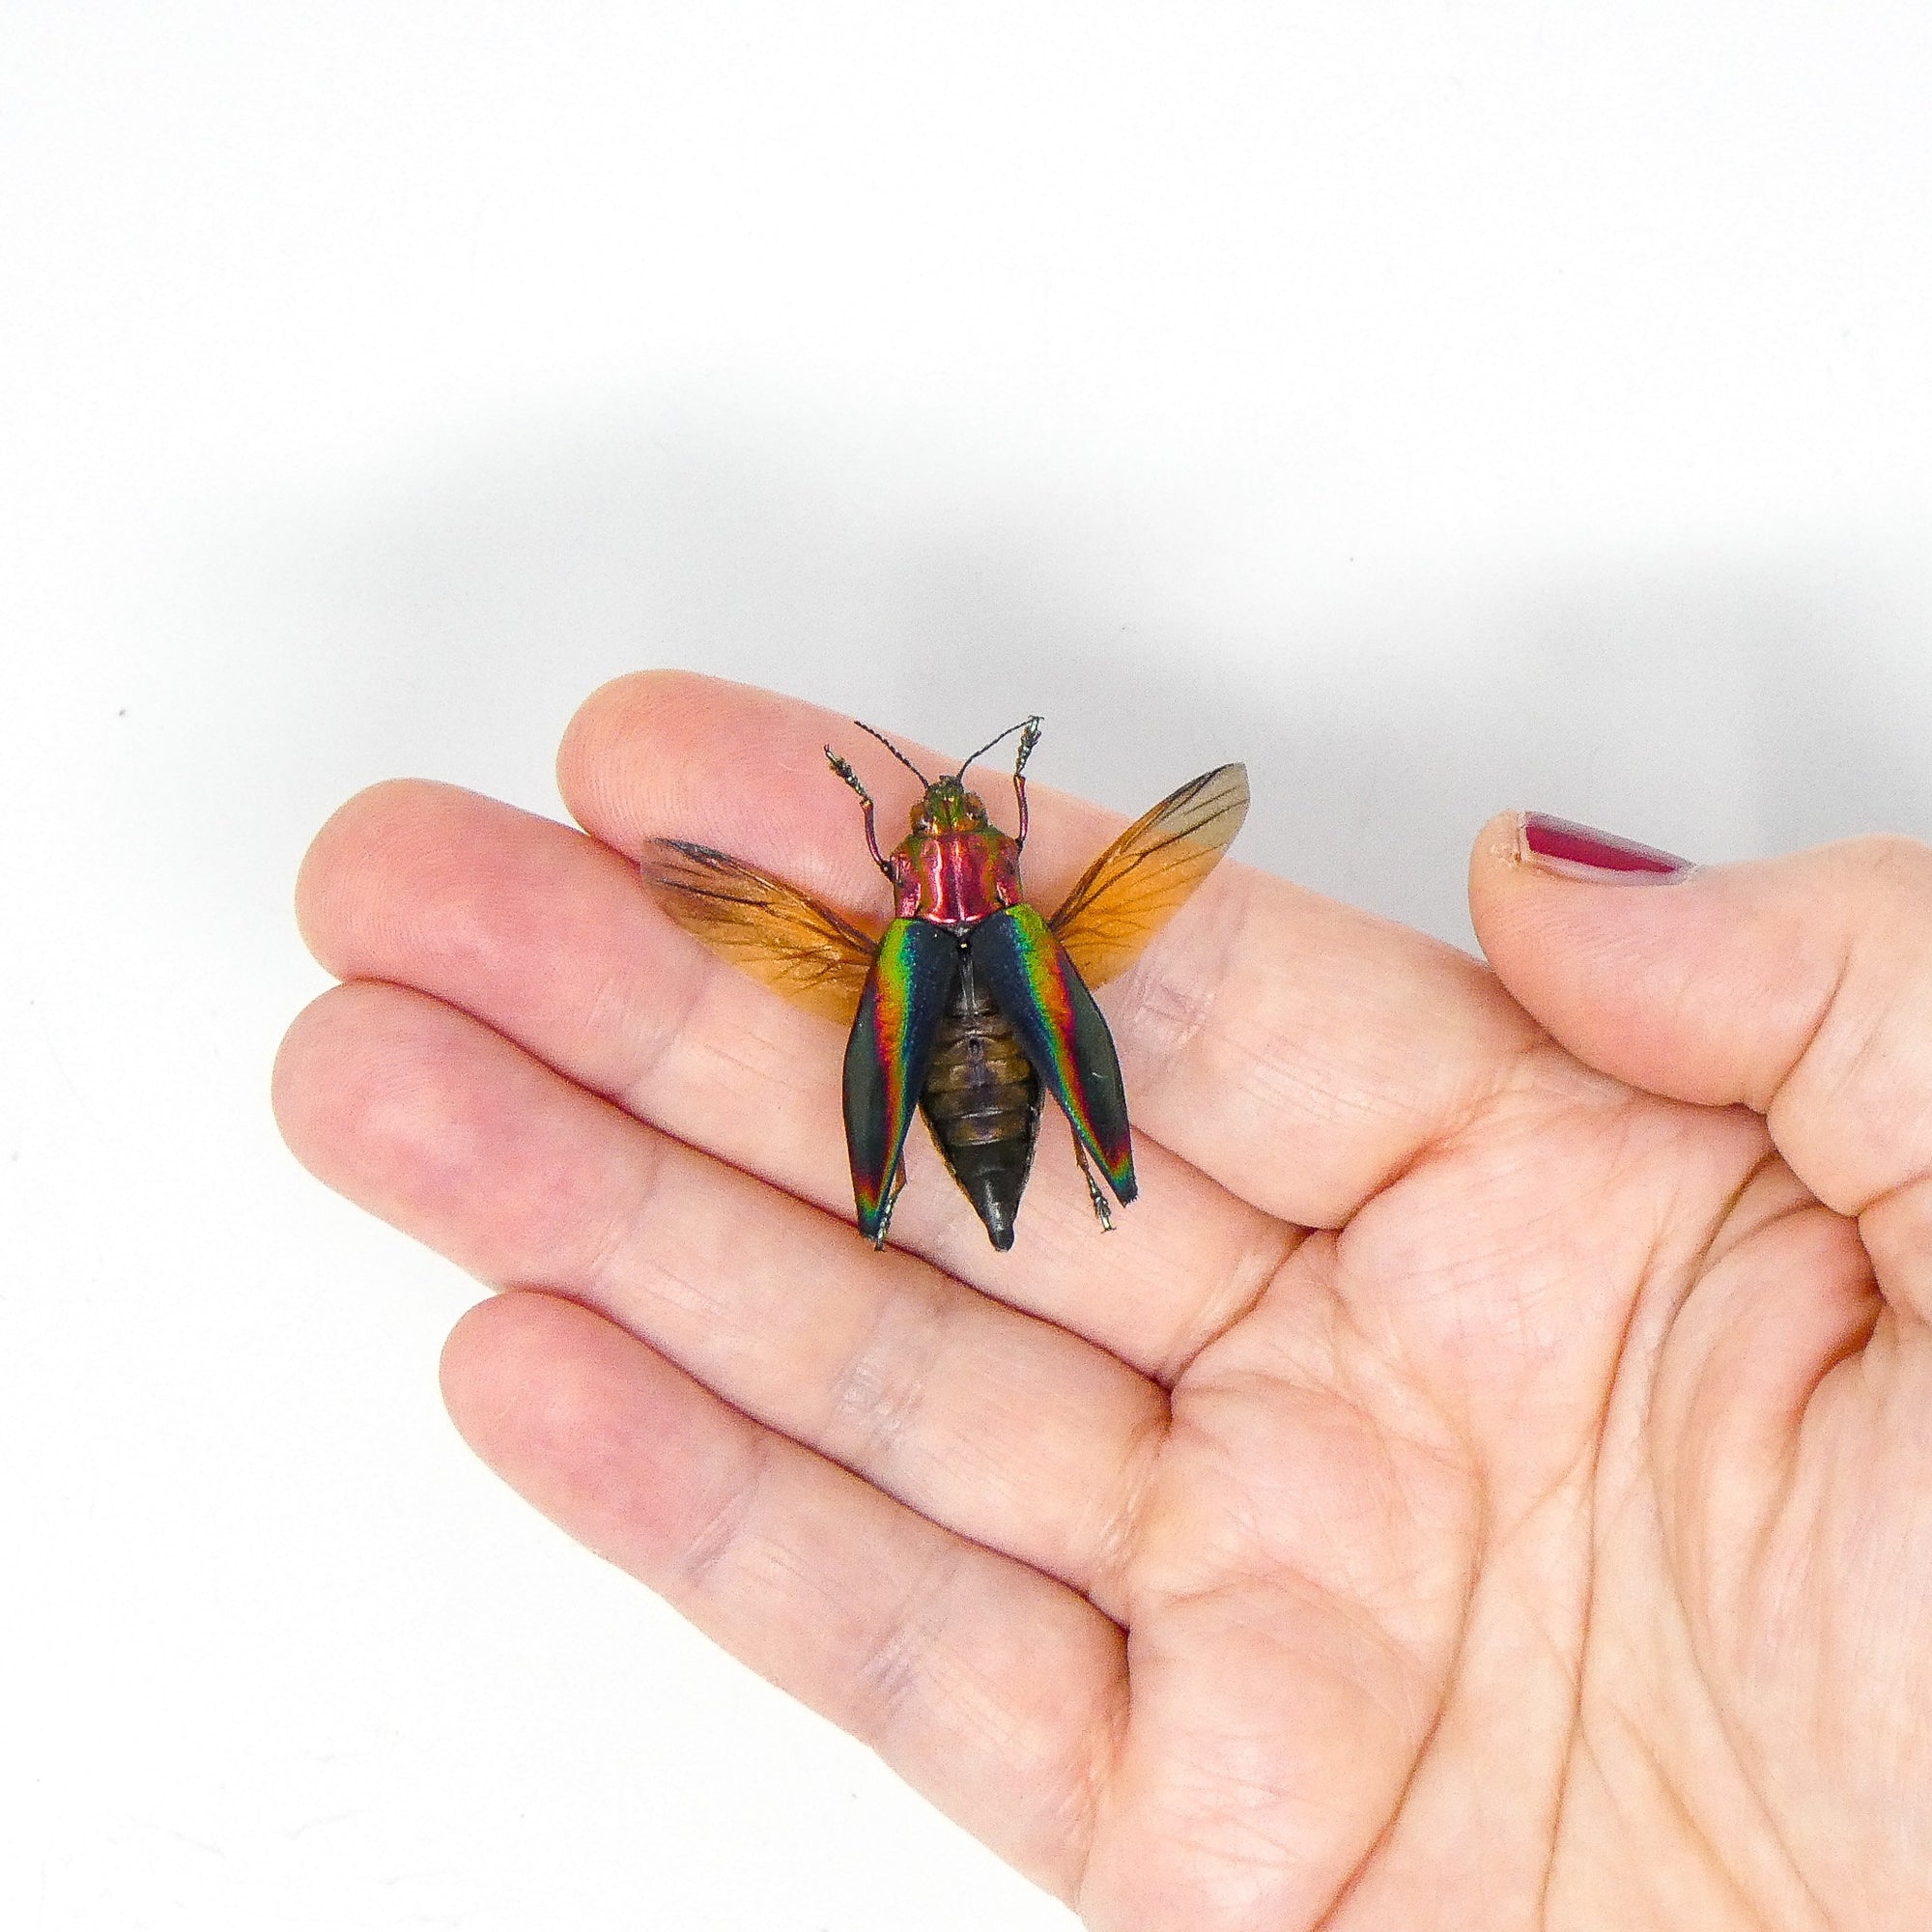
x,y
1724,704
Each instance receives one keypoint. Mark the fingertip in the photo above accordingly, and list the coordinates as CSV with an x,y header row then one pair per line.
x,y
625,754
1616,948
542,1390
482,1370
1530,847
614,713
465,1354
1496,857
525,1373
382,829
289,1076
1535,879
312,1084
1797,986
590,1425
730,765
1507,897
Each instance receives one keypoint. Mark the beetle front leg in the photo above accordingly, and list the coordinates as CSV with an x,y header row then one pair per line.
x,y
845,770
1029,738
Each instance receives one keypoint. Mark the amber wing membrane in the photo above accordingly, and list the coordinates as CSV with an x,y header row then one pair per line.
x,y
1145,876
769,930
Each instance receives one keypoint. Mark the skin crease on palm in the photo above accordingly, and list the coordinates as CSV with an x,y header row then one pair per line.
x,y
1482,1484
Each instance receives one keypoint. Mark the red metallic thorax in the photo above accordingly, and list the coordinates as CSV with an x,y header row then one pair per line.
x,y
956,877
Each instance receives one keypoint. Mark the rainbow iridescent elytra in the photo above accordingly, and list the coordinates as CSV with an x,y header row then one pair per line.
x,y
968,1004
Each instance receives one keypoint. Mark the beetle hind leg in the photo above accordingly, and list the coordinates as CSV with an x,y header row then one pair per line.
x,y
1101,1212
891,1202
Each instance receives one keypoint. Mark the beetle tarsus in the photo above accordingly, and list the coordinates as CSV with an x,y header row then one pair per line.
x,y
1101,1212
843,767
885,1212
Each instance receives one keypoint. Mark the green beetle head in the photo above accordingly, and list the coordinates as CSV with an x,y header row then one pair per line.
x,y
949,807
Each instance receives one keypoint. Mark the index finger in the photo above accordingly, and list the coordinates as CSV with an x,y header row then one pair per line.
x,y
1296,1051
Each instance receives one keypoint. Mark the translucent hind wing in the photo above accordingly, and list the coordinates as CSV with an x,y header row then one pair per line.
x,y
799,948
1147,874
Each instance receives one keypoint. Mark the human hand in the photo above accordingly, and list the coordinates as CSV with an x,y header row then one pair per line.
x,y
1467,1492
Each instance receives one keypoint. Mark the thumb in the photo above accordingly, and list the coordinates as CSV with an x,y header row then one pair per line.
x,y
1801,987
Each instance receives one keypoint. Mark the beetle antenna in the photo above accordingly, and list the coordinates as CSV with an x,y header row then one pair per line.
x,y
1030,725
898,753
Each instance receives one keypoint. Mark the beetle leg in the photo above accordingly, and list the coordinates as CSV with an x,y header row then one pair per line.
x,y
1029,738
845,770
1102,1213
891,1202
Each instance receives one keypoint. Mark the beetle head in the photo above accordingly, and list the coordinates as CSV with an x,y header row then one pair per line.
x,y
949,807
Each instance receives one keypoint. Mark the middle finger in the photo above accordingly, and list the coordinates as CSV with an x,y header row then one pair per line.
x,y
550,938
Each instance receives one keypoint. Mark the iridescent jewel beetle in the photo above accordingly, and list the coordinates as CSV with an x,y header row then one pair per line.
x,y
969,1003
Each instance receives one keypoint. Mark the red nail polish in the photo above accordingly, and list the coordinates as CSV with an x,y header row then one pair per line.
x,y
1577,852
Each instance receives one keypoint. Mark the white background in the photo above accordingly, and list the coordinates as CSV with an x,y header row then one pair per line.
x,y
1444,406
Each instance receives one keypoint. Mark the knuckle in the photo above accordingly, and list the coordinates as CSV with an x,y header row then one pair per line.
x,y
1893,861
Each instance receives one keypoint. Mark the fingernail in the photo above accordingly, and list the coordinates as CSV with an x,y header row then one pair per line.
x,y
1578,852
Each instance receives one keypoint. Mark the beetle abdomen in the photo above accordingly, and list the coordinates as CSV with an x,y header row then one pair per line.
x,y
982,1100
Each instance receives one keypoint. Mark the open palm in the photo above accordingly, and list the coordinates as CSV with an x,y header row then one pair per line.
x,y
1468,1491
